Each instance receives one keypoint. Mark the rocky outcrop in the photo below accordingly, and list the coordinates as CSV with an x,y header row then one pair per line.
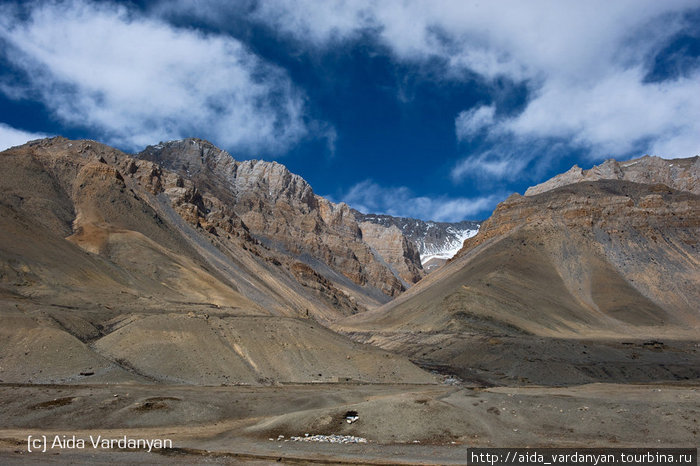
x,y
400,254
680,174
281,210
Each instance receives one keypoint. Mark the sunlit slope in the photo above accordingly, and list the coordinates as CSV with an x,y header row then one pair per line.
x,y
114,270
606,259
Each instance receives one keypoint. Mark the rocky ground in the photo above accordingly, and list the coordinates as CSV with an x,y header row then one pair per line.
x,y
403,424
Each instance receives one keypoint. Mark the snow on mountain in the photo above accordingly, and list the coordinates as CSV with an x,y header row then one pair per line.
x,y
454,238
436,241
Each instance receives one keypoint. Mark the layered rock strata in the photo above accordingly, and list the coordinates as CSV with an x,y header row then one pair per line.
x,y
680,174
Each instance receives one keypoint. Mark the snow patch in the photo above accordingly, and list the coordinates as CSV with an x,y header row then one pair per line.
x,y
449,248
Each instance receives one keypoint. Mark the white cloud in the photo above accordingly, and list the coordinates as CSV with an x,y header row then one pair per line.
x,y
583,63
489,164
369,197
616,115
311,22
470,122
10,137
508,37
511,158
321,22
138,80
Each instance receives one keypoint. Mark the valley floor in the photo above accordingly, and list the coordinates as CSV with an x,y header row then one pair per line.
x,y
403,424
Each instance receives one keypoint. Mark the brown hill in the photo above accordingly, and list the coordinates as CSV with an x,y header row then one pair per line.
x,y
116,269
605,262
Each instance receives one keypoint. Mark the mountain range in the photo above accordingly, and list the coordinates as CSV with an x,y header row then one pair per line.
x,y
581,263
127,267
221,301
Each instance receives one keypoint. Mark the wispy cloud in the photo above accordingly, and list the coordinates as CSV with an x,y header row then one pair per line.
x,y
470,122
490,164
509,159
137,79
10,137
369,197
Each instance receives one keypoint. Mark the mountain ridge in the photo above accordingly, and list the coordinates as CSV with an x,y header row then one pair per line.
x,y
114,269
581,267
281,210
681,174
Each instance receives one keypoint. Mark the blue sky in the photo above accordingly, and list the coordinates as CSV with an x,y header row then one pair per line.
x,y
430,109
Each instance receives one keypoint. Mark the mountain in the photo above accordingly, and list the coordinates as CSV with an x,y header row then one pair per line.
x,y
183,292
117,269
556,281
281,211
436,241
400,254
680,174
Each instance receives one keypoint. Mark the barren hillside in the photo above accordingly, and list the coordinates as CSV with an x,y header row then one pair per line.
x,y
116,269
607,261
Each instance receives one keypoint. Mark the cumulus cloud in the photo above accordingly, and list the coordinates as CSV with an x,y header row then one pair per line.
x,y
583,63
369,197
616,115
138,80
10,137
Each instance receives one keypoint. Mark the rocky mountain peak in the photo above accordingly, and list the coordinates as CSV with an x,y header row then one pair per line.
x,y
680,174
281,209
195,157
274,181
190,155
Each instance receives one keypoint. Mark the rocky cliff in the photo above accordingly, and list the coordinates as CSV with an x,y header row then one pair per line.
x,y
398,252
281,210
680,174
